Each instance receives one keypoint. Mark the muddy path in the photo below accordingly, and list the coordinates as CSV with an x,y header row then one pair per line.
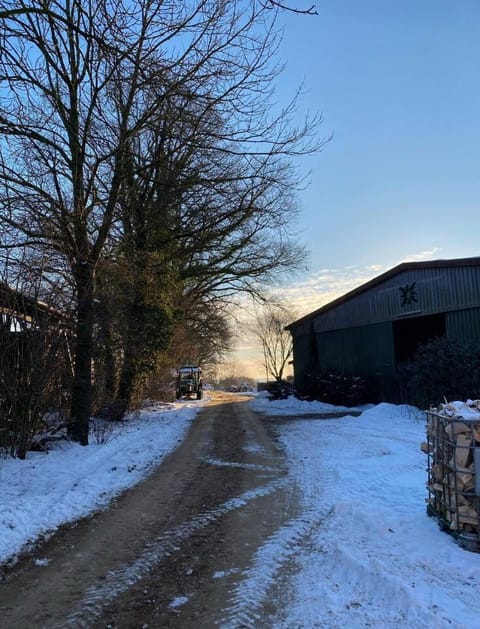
x,y
174,550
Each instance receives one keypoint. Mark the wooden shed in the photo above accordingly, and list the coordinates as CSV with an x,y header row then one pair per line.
x,y
372,329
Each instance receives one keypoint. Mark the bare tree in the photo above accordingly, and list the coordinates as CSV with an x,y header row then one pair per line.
x,y
309,10
207,200
61,154
277,346
87,86
34,360
45,10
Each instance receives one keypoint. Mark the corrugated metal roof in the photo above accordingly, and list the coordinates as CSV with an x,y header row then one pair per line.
x,y
400,268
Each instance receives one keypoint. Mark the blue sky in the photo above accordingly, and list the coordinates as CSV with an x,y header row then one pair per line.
x,y
397,82
399,87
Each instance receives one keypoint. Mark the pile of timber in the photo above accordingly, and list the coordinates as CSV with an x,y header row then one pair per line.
x,y
453,449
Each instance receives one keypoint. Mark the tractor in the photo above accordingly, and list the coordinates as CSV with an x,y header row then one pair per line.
x,y
189,382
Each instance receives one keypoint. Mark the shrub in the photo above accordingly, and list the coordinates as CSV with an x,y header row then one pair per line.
x,y
32,364
279,390
441,369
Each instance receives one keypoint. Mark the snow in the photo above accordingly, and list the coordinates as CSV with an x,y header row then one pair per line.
x,y
369,555
293,406
48,490
361,552
178,602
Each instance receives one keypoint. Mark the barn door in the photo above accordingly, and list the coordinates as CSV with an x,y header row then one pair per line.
x,y
409,333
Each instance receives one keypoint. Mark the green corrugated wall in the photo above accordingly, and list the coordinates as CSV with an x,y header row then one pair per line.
x,y
302,357
367,350
355,336
464,325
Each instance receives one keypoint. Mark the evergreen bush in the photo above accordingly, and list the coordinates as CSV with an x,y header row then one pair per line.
x,y
441,369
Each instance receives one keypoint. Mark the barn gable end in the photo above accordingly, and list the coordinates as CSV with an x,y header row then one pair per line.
x,y
371,330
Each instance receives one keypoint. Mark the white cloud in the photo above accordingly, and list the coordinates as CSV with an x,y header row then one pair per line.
x,y
428,254
326,285
314,291
303,297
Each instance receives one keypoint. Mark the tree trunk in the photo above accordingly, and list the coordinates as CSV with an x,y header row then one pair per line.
x,y
105,323
129,369
82,379
110,366
125,387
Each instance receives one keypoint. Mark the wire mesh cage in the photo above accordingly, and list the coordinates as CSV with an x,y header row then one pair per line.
x,y
453,451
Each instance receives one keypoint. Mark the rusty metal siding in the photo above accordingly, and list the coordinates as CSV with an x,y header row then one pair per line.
x,y
431,290
464,325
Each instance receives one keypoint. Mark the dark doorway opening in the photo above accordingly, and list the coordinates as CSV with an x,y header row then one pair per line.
x,y
408,334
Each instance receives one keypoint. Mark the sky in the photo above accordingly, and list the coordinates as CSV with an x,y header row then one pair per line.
x,y
360,553
397,83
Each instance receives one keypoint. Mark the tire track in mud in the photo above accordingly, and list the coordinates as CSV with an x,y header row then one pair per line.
x,y
118,581
275,557
173,551
208,568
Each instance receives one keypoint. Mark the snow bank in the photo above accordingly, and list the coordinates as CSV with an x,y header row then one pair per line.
x,y
48,490
293,406
372,557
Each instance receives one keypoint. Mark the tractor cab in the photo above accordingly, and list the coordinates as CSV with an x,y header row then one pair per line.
x,y
189,382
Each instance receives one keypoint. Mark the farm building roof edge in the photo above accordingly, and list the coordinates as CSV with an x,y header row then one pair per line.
x,y
399,268
25,305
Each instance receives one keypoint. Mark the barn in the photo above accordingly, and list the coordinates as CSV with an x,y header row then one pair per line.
x,y
372,329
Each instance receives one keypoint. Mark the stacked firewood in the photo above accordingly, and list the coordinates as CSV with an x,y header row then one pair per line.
x,y
453,449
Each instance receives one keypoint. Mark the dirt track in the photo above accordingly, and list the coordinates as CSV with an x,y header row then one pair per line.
x,y
172,551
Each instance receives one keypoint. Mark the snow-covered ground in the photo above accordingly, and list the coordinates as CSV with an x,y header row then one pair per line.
x,y
366,554
369,555
47,490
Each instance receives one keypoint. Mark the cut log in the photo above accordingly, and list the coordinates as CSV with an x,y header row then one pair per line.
x,y
463,450
467,514
476,432
454,428
453,449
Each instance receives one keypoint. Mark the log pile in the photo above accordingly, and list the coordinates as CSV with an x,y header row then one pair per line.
x,y
453,449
